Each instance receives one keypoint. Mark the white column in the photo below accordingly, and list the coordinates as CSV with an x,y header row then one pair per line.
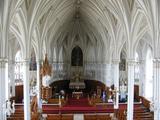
x,y
13,80
108,75
38,85
27,111
142,78
130,64
156,88
3,70
11,76
7,87
116,81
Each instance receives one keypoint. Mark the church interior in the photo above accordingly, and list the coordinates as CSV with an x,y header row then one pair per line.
x,y
79,60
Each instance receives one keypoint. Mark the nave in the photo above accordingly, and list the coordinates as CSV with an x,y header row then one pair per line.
x,y
86,104
98,112
80,56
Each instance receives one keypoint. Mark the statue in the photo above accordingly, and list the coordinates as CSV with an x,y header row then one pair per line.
x,y
8,108
13,106
46,80
110,99
46,71
103,96
123,92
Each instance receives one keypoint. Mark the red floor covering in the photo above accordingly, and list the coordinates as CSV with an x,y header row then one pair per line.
x,y
80,106
77,106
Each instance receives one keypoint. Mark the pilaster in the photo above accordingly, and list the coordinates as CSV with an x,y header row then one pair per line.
x,y
26,87
142,77
116,81
3,84
108,74
156,88
38,84
11,65
130,66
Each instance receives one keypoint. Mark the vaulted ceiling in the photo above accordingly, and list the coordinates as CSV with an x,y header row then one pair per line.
x,y
106,25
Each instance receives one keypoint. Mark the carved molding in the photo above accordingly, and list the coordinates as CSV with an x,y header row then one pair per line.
x,y
3,62
131,62
116,61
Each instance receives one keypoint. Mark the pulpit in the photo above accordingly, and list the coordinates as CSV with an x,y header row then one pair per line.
x,y
46,70
46,93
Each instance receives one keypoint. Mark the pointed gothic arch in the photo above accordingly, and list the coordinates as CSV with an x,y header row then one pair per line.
x,y
77,56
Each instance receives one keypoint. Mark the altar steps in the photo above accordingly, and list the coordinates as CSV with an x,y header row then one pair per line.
x,y
73,102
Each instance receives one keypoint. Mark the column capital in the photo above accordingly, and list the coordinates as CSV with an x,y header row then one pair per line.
x,y
25,62
11,61
131,62
156,60
142,61
39,61
156,63
116,61
3,60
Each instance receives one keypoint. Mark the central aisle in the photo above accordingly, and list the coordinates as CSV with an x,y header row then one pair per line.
x,y
78,117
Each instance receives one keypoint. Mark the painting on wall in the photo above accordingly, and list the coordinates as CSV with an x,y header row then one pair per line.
x,y
122,65
33,65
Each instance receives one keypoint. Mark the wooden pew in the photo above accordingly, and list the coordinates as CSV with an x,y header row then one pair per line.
x,y
53,117
96,117
67,117
120,114
89,116
145,102
103,117
15,118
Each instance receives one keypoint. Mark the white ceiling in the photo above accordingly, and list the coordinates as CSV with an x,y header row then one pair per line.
x,y
106,25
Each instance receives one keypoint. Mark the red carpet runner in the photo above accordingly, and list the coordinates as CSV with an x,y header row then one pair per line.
x,y
80,107
82,102
77,106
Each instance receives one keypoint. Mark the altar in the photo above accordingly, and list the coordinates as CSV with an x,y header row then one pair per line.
x,y
77,95
77,82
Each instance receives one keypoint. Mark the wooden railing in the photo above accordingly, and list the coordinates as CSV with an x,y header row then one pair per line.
x,y
120,114
59,117
145,102
60,102
97,117
94,101
86,117
140,113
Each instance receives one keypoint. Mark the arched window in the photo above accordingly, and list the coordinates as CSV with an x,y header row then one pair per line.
x,y
77,56
149,75
18,68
